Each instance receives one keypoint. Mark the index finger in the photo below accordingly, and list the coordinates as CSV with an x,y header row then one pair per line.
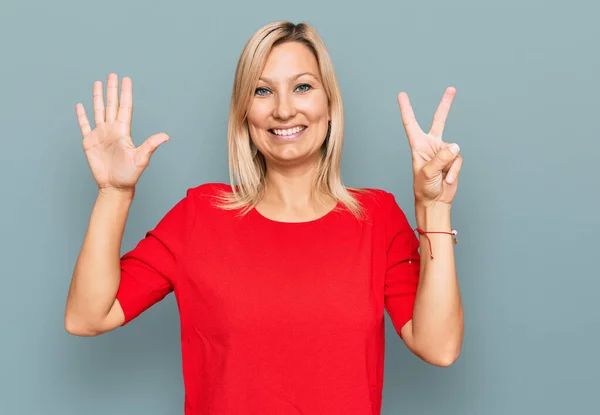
x,y
441,114
408,116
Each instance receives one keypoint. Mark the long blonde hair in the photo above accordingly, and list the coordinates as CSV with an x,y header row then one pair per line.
x,y
247,166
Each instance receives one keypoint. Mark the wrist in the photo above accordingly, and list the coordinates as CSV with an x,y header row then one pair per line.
x,y
433,216
125,194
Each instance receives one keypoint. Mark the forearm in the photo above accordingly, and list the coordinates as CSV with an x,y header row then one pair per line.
x,y
438,315
97,273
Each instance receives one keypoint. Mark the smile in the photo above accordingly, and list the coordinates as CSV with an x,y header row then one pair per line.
x,y
288,133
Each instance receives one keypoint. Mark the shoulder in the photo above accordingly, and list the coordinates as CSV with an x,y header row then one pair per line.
x,y
197,200
373,200
204,195
384,211
207,190
207,203
380,206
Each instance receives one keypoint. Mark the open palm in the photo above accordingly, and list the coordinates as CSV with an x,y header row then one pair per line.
x,y
435,165
115,161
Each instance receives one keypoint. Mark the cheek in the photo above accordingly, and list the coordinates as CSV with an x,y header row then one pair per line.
x,y
257,117
315,109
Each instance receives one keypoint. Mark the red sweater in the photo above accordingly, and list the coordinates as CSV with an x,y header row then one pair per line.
x,y
278,318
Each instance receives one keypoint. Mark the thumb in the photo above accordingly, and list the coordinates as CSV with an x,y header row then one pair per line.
x,y
148,147
442,160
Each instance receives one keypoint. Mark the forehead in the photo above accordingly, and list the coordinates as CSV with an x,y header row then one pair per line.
x,y
289,59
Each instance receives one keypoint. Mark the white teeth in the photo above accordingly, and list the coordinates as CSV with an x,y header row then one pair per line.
x,y
288,131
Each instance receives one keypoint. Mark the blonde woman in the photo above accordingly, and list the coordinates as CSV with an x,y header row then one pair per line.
x,y
282,276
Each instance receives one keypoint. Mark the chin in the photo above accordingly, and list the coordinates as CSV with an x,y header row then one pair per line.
x,y
294,156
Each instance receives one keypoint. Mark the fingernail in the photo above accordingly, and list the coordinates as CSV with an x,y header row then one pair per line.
x,y
450,179
454,148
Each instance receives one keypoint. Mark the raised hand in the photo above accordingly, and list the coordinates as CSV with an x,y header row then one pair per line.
x,y
115,162
436,164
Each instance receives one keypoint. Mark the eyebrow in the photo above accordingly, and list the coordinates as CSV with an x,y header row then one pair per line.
x,y
293,78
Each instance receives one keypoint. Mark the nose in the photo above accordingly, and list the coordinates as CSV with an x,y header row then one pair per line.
x,y
284,107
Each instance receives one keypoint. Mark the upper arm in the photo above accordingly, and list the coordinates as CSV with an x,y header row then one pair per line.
x,y
402,269
152,268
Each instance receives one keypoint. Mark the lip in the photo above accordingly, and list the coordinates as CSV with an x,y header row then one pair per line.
x,y
288,137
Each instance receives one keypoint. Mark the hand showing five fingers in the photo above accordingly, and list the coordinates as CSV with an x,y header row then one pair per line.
x,y
435,165
115,162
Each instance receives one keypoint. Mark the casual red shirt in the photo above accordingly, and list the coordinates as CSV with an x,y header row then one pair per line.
x,y
278,318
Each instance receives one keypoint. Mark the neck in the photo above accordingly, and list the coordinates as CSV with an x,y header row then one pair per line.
x,y
291,187
290,194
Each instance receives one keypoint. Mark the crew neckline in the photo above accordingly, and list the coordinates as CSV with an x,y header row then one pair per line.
x,y
318,220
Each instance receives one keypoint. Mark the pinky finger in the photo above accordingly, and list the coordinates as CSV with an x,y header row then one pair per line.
x,y
454,170
82,118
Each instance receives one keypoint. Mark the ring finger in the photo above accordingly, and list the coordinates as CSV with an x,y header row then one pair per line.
x,y
454,170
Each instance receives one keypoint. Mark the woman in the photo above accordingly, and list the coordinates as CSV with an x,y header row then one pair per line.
x,y
281,280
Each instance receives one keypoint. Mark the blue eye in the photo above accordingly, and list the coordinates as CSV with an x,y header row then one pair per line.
x,y
261,91
304,87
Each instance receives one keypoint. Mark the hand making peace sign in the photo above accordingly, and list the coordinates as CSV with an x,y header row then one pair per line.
x,y
435,165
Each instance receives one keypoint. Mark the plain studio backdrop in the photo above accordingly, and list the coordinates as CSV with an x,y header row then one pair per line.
x,y
526,116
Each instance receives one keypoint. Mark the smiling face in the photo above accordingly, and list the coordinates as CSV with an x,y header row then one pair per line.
x,y
289,114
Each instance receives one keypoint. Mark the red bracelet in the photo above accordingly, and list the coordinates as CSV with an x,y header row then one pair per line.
x,y
422,232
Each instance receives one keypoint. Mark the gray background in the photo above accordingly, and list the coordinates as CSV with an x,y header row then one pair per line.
x,y
526,116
